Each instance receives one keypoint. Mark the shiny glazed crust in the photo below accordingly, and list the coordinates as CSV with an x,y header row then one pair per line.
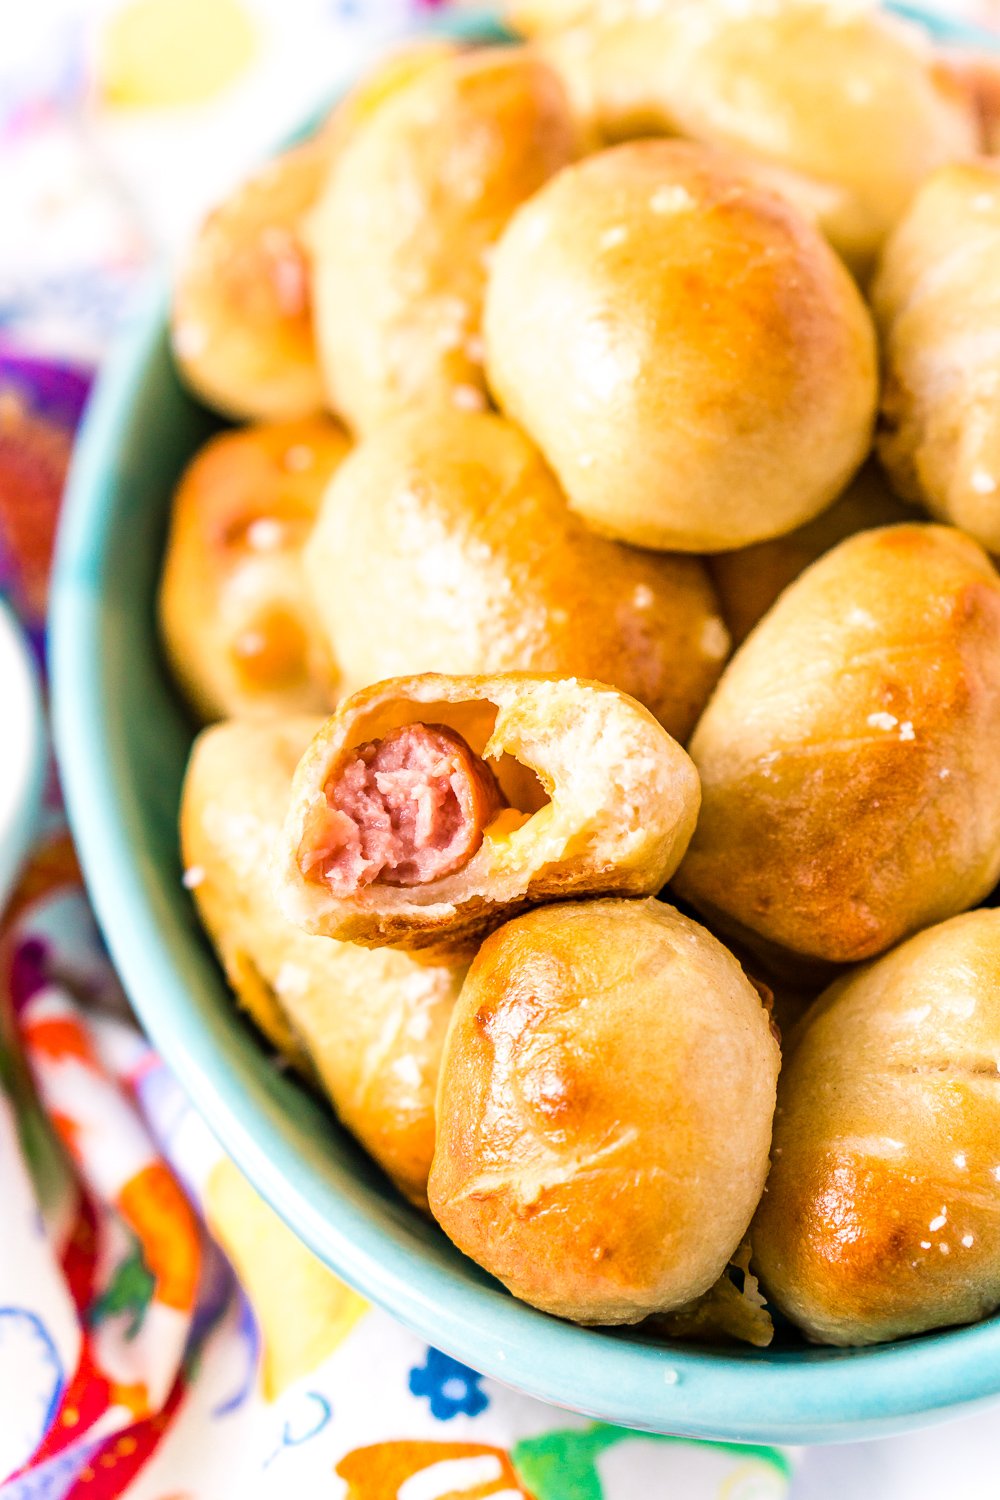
x,y
612,802
604,1110
850,778
937,300
851,102
369,1025
690,356
401,235
881,1216
445,545
237,622
978,76
241,321
242,316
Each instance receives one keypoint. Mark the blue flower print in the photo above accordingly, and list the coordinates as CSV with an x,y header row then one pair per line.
x,y
450,1387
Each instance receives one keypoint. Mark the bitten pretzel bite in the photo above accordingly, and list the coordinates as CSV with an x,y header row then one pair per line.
x,y
848,759
237,621
370,1024
881,1216
937,299
430,809
749,580
445,545
690,356
402,234
604,1110
851,101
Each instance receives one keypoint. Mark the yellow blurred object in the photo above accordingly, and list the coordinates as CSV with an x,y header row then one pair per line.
x,y
157,53
304,1313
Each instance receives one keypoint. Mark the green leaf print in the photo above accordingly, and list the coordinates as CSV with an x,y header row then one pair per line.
x,y
562,1465
130,1290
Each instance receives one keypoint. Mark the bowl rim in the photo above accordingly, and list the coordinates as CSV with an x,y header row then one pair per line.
x,y
761,1397
24,757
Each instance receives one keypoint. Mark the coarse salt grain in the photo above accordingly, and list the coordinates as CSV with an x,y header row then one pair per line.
x,y
671,199
190,339
468,398
299,457
714,640
614,236
265,534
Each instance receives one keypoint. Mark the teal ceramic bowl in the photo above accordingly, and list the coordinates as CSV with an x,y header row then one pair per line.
x,y
123,739
22,749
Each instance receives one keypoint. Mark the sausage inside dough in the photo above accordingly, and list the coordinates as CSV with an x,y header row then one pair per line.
x,y
403,810
429,809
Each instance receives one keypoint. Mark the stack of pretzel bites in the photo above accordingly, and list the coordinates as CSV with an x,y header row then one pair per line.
x,y
597,608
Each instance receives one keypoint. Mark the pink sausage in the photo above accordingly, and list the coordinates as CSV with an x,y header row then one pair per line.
x,y
404,810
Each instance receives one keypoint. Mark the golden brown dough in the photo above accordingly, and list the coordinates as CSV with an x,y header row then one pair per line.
x,y
749,580
241,322
978,76
733,1309
371,1024
237,622
851,101
547,18
786,983
389,76
445,545
402,234
595,798
604,1110
850,780
536,18
690,356
937,300
881,1216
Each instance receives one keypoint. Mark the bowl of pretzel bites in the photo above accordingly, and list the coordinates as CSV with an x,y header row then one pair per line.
x,y
527,673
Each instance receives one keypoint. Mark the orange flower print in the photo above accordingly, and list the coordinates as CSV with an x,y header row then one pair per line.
x,y
429,1471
